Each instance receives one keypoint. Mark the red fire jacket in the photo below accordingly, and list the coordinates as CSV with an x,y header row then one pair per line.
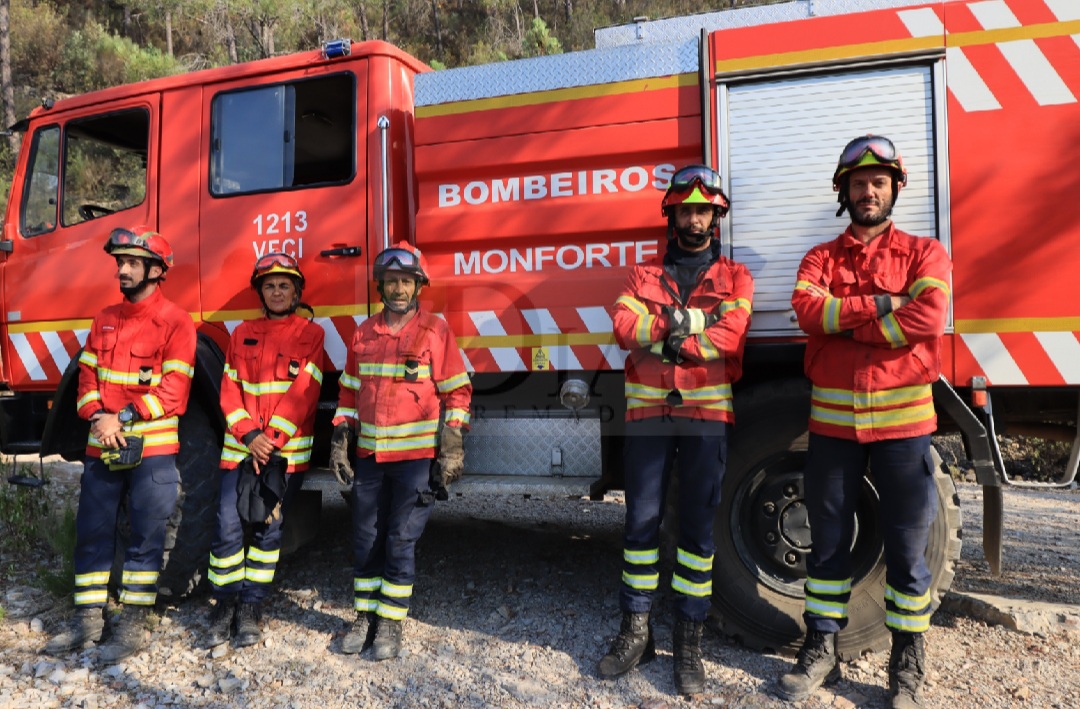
x,y
699,386
143,354
394,383
273,373
872,369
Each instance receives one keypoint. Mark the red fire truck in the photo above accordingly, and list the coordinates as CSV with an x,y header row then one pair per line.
x,y
531,186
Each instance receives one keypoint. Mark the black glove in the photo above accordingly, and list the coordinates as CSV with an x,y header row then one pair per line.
x,y
340,450
688,321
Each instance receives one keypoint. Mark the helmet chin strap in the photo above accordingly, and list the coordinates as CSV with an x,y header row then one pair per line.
x,y
131,291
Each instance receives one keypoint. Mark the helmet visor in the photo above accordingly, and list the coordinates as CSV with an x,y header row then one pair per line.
x,y
397,259
125,237
709,179
269,261
879,146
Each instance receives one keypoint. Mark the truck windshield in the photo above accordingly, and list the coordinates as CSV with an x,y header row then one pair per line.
x,y
284,136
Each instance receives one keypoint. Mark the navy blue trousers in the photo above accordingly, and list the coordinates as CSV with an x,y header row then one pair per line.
x,y
239,566
653,445
151,489
391,504
903,475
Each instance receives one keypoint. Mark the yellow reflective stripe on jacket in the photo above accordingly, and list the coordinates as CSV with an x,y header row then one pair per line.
x,y
386,445
709,351
345,412
716,392
890,328
643,326
712,406
126,378
458,380
177,365
925,283
873,419
459,415
313,369
283,424
88,358
349,381
93,395
728,305
237,416
379,369
873,399
153,405
261,388
399,430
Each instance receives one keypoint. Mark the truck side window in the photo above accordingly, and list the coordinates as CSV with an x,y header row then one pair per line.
x,y
104,164
40,191
284,136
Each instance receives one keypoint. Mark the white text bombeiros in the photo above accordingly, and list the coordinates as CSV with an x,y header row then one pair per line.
x,y
560,184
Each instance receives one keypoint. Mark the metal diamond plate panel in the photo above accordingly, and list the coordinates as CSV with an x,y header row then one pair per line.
x,y
559,71
524,446
680,28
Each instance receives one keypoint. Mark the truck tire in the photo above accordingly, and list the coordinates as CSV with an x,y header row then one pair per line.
x,y
190,530
762,533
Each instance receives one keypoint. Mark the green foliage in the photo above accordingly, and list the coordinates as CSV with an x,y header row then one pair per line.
x,y
538,40
93,59
59,580
38,36
24,516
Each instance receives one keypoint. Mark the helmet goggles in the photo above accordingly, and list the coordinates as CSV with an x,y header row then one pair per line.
x,y
399,259
870,150
696,184
147,244
276,264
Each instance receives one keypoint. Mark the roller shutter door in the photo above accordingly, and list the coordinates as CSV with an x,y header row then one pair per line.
x,y
779,144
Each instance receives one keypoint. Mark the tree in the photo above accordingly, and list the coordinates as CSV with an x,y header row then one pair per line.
x,y
7,90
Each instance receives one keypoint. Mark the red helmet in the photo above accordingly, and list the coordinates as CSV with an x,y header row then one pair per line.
x,y
402,257
140,241
695,184
866,151
277,263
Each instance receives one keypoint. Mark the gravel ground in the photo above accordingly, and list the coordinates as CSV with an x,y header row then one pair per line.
x,y
515,603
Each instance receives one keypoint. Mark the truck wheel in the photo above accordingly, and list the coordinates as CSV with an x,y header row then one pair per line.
x,y
190,530
763,534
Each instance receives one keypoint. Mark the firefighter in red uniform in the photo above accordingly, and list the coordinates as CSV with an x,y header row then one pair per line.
x,y
874,304
405,397
269,391
134,378
684,318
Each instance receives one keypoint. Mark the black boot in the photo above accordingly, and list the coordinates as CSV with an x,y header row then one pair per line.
x,y
129,635
907,663
689,670
815,665
248,631
361,634
84,628
221,621
632,645
387,642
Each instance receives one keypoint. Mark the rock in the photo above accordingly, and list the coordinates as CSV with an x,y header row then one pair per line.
x,y
205,681
37,625
228,685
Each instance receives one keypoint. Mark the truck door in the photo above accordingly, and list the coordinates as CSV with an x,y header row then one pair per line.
x,y
778,141
284,175
85,173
